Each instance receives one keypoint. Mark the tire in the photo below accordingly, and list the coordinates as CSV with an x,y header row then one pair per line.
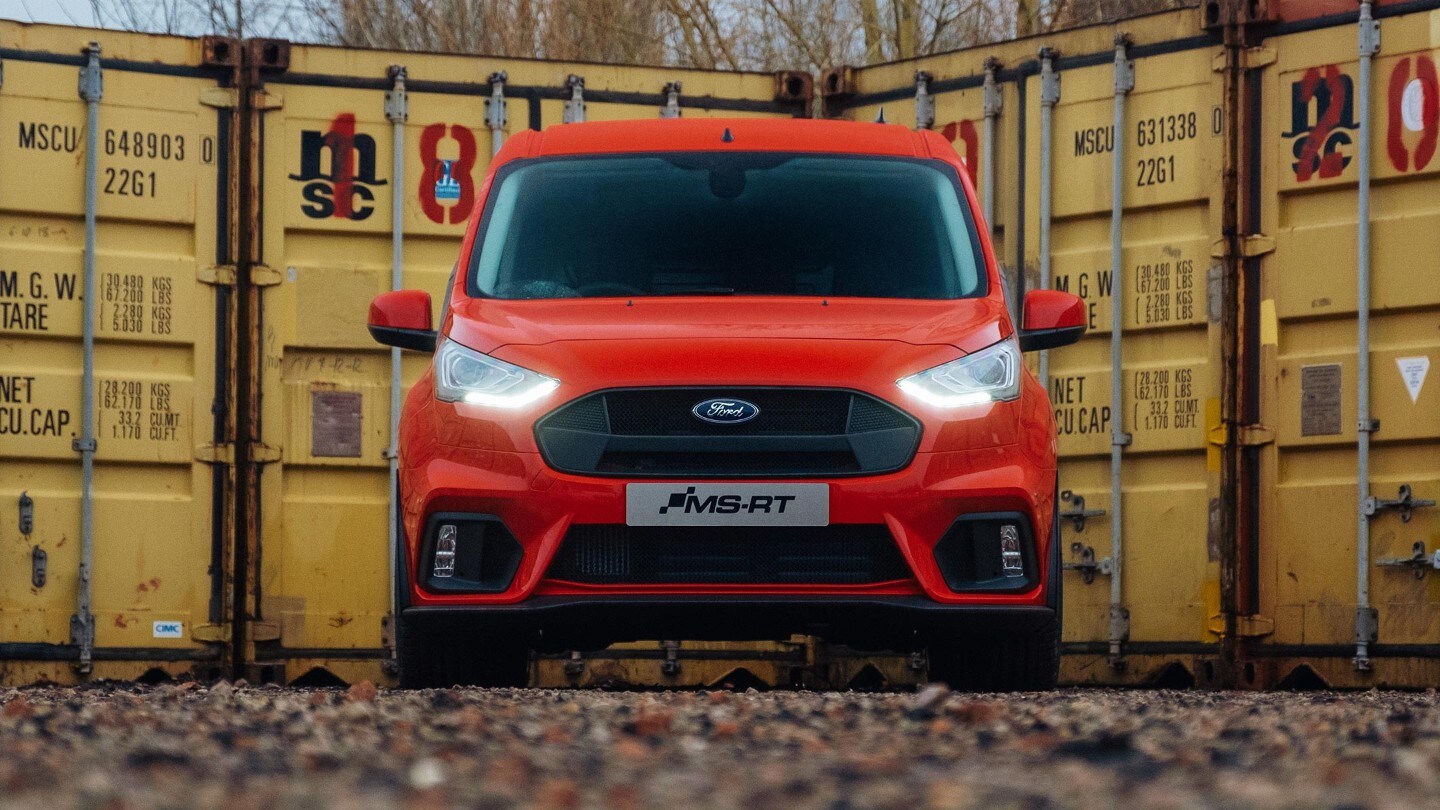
x,y
440,654
1025,660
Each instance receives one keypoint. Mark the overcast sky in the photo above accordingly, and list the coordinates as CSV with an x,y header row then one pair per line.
x,y
65,12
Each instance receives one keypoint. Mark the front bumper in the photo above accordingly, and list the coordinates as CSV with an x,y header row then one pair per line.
x,y
917,505
899,623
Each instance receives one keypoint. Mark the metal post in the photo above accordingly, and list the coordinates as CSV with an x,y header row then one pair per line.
x,y
1124,83
991,100
82,624
1049,97
1365,619
397,109
575,106
924,102
495,116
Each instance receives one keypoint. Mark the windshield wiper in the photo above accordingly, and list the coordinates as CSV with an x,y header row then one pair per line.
x,y
698,291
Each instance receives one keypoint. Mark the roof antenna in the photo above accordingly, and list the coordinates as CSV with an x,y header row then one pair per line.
x,y
727,137
880,119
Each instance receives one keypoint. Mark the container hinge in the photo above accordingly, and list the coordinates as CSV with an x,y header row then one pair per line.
x,y
924,102
210,633
1088,566
671,108
1049,79
1077,513
1251,246
1256,244
1420,562
574,112
1406,502
1250,59
224,275
495,117
1124,66
1254,626
38,559
1246,435
397,103
266,101
1367,631
92,87
575,664
991,99
221,98
263,631
27,514
670,666
225,453
265,276
1369,36
219,275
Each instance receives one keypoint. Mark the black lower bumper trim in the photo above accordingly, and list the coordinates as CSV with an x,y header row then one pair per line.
x,y
590,622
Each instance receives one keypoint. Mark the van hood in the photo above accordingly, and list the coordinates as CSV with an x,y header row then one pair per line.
x,y
487,324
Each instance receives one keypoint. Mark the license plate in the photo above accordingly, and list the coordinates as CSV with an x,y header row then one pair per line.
x,y
727,504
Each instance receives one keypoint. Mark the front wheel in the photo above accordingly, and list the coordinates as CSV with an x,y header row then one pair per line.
x,y
436,654
1021,660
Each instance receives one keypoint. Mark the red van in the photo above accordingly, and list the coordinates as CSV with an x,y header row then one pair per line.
x,y
727,379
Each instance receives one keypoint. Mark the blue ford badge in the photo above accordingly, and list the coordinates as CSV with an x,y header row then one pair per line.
x,y
725,411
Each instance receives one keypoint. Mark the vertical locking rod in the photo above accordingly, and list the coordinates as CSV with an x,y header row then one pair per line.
x,y
397,109
82,625
1369,45
1119,618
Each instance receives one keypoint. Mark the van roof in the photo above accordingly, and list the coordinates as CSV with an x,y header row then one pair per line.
x,y
708,134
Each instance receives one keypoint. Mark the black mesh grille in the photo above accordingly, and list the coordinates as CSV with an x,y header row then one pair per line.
x,y
585,414
799,432
666,412
868,414
835,555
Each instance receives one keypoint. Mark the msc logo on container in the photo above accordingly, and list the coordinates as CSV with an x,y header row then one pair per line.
x,y
691,504
343,188
1322,122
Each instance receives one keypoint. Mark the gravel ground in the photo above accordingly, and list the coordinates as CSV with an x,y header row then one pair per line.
x,y
184,745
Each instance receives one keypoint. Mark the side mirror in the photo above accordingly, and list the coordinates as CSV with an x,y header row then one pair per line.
x,y
1052,319
402,319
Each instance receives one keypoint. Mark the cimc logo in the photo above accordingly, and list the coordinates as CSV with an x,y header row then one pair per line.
x,y
448,179
1414,114
342,185
1322,122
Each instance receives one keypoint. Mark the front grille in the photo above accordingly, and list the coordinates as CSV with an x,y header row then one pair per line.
x,y
813,555
799,432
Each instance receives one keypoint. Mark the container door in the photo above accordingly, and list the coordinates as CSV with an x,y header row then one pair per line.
x,y
1309,551
1171,145
160,538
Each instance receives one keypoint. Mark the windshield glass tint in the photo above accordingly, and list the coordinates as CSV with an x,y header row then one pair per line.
x,y
727,224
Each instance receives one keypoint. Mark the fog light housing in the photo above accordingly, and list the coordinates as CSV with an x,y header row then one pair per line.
x,y
1010,560
464,552
444,565
991,551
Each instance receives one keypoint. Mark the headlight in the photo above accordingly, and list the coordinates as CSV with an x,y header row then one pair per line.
x,y
465,375
989,375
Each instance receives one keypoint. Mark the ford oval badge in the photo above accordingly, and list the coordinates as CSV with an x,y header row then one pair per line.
x,y
725,411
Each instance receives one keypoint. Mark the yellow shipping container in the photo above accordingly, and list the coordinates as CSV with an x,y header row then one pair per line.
x,y
156,595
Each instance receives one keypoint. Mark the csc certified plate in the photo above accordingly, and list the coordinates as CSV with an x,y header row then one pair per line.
x,y
727,504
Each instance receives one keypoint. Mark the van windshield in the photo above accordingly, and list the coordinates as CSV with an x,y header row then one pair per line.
x,y
694,223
